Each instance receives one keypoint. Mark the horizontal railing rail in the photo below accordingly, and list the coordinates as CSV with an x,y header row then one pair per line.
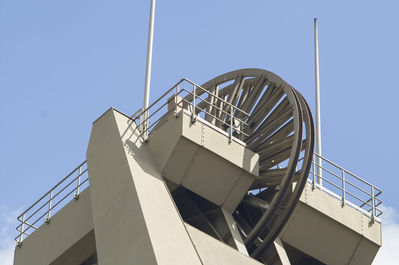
x,y
342,184
41,211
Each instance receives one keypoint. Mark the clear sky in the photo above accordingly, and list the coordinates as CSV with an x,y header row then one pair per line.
x,y
64,63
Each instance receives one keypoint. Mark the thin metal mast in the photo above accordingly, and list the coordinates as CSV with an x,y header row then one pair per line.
x,y
148,68
318,122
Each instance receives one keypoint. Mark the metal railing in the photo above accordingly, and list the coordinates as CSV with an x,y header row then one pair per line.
x,y
341,183
41,211
189,96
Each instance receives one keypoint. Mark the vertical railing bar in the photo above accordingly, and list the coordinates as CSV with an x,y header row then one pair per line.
x,y
314,176
343,188
211,104
47,220
216,102
372,204
231,125
21,235
193,117
76,195
241,130
176,103
141,117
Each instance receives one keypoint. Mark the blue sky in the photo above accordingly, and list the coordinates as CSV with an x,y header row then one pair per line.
x,y
63,63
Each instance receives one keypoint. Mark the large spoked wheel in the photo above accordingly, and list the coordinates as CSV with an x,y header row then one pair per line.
x,y
280,129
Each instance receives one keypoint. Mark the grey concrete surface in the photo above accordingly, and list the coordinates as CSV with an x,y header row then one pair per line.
x,y
135,219
128,215
214,252
336,235
51,241
199,157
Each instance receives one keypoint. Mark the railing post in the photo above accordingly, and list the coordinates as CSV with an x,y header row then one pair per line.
x,y
76,195
319,169
314,173
372,204
215,104
241,130
176,101
141,122
47,220
144,123
231,124
343,188
21,235
193,116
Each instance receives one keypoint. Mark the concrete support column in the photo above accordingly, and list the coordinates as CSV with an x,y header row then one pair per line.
x,y
135,220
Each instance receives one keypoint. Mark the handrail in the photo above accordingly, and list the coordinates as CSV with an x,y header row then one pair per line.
x,y
135,116
188,102
332,163
343,182
222,110
52,188
36,211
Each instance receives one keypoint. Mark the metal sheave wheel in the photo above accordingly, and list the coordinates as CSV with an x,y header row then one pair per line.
x,y
280,129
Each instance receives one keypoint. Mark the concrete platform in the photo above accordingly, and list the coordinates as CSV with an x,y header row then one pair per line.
x,y
336,235
199,157
67,239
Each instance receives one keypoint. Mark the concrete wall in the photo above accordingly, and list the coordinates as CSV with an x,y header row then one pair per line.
x,y
55,241
323,229
199,157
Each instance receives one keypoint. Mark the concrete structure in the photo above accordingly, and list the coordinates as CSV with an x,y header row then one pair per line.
x,y
184,195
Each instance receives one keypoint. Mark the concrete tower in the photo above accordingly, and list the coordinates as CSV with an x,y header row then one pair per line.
x,y
222,173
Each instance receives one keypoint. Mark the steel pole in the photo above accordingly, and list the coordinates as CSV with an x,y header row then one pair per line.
x,y
148,69
318,122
